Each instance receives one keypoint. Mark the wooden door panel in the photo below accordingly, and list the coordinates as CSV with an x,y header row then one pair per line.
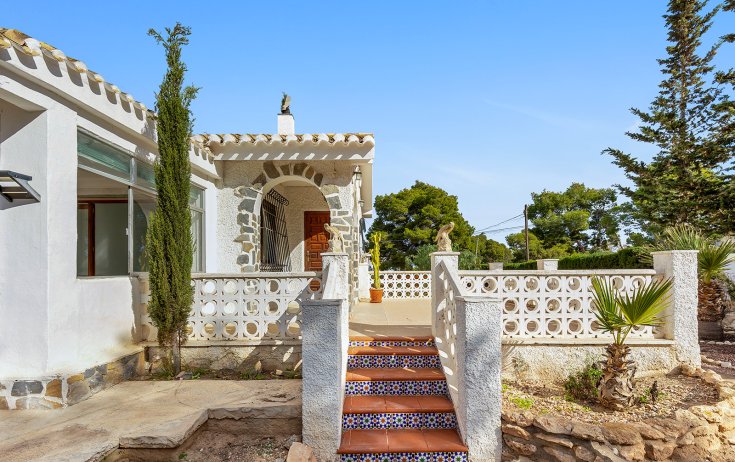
x,y
316,239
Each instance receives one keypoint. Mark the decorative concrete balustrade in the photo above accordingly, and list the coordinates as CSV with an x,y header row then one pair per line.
x,y
253,307
553,304
467,332
406,284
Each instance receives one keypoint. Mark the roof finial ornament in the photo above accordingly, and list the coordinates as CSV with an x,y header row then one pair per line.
x,y
285,104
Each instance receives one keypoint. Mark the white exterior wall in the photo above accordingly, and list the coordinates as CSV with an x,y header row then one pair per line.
x,y
53,322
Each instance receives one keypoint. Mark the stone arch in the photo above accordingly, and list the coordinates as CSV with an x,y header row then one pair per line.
x,y
248,216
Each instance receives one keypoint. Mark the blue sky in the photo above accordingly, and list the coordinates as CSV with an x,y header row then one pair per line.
x,y
488,100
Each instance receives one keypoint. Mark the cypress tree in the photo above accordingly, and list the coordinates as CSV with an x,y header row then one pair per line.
x,y
169,241
685,181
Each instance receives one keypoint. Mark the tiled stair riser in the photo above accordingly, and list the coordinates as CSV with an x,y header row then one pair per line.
x,y
397,387
406,457
385,361
399,420
393,343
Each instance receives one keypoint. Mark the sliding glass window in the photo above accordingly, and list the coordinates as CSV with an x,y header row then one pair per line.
x,y
116,196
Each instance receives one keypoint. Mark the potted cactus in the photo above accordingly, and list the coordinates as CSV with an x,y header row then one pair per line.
x,y
376,291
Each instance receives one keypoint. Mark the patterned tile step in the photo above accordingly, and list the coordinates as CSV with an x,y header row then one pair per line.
x,y
393,361
400,441
397,387
415,420
383,374
406,457
393,350
377,404
391,341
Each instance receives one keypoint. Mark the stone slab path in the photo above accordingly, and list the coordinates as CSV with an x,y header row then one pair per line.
x,y
140,414
392,318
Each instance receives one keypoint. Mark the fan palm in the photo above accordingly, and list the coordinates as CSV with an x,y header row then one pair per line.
x,y
619,314
712,261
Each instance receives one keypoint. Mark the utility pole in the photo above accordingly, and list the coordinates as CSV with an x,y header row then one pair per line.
x,y
525,217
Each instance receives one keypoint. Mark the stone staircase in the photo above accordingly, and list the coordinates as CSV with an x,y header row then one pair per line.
x,y
396,406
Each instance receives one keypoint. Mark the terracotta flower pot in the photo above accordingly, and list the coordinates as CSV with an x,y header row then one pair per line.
x,y
376,295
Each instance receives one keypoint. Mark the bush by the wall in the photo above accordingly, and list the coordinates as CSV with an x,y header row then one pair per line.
x,y
628,258
526,265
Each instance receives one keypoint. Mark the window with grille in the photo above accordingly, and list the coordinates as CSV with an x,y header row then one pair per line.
x,y
274,253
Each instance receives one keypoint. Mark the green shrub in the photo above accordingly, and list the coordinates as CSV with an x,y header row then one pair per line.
x,y
526,265
522,402
628,258
582,385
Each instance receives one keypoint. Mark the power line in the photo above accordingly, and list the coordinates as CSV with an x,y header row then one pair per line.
x,y
492,231
497,224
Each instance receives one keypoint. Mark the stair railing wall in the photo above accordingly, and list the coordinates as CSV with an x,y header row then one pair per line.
x,y
467,329
325,340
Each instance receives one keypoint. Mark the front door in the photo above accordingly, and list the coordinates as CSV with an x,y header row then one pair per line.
x,y
316,239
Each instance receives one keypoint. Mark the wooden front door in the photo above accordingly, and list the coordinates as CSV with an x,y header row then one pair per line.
x,y
316,239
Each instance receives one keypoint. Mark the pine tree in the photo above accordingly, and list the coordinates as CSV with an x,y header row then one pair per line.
x,y
685,181
169,241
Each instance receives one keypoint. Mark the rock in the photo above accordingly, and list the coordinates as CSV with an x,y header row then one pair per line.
x,y
725,392
524,449
184,375
659,450
605,453
648,432
559,455
521,418
621,433
709,413
584,454
291,440
555,439
78,391
634,452
3,403
588,432
515,431
693,420
708,442
688,370
74,378
558,425
711,377
34,402
670,427
685,440
299,452
690,453
26,387
730,437
53,388
725,364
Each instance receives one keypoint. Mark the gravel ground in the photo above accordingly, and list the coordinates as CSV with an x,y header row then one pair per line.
x,y
719,353
675,392
210,446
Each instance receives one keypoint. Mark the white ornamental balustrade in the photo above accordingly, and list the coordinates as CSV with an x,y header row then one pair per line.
x,y
552,304
245,307
406,284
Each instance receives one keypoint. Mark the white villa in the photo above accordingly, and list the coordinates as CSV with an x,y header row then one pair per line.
x,y
76,193
69,290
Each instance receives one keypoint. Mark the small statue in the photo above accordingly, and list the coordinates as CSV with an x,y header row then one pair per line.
x,y
285,104
336,240
443,243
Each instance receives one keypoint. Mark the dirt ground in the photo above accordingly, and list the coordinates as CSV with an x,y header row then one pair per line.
x,y
211,446
675,392
719,353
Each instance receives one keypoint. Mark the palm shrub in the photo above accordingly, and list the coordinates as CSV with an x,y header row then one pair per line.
x,y
712,260
618,314
169,244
